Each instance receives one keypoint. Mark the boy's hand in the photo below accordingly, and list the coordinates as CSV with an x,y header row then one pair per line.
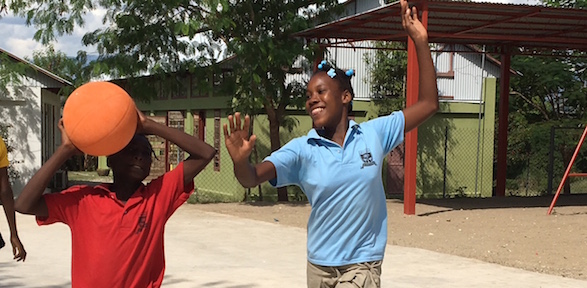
x,y
412,24
17,249
65,141
142,123
238,143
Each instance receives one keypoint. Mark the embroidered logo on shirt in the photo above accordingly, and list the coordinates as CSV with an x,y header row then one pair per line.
x,y
142,223
367,159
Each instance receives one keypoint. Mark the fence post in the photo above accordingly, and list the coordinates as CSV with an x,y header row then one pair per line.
x,y
445,152
551,161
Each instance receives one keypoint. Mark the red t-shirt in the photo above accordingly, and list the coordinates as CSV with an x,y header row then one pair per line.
x,y
116,244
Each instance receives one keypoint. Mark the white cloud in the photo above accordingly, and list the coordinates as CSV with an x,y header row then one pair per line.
x,y
17,38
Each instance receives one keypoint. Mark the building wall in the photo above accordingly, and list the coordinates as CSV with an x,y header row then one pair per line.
x,y
357,7
466,132
354,58
465,128
217,179
24,115
461,74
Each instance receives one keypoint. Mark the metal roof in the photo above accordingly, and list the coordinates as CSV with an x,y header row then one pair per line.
x,y
526,26
36,68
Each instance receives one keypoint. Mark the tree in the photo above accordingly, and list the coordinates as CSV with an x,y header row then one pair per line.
x,y
551,92
260,37
11,73
388,69
146,36
75,70
566,3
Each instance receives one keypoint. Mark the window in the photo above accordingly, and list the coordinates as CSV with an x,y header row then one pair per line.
x,y
200,85
180,87
176,155
445,62
48,131
200,124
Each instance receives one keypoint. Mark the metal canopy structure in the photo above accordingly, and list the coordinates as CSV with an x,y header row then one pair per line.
x,y
467,23
508,28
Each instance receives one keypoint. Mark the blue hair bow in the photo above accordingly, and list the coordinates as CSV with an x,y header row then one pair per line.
x,y
322,64
331,73
350,72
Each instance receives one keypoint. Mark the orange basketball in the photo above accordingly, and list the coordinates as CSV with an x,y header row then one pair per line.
x,y
100,118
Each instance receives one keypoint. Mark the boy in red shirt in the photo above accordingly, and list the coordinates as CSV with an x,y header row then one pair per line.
x,y
117,229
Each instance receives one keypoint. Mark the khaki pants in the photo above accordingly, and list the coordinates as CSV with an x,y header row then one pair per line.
x,y
361,275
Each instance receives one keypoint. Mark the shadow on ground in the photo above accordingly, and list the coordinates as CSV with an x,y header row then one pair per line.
x,y
507,202
449,203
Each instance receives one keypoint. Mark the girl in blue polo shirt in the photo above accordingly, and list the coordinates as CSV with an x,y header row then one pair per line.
x,y
338,166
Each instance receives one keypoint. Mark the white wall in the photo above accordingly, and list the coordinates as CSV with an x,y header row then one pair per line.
x,y
24,117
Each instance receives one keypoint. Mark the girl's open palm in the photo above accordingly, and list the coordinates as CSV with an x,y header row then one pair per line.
x,y
238,143
411,23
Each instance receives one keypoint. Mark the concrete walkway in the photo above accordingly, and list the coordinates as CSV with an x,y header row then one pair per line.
x,y
218,251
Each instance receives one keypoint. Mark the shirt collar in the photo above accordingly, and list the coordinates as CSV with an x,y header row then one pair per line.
x,y
105,187
313,134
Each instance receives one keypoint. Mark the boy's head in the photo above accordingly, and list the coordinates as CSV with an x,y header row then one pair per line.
x,y
133,162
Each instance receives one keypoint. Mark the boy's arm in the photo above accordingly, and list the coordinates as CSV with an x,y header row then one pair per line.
x,y
30,200
200,152
7,199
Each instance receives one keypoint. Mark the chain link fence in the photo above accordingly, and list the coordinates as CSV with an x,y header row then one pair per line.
x,y
537,163
460,162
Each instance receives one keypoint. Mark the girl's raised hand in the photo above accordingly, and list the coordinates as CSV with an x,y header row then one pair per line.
x,y
412,24
237,141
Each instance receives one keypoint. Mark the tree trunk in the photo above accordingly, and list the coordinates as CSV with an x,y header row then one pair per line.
x,y
276,144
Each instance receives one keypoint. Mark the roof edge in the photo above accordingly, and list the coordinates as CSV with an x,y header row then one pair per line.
x,y
37,68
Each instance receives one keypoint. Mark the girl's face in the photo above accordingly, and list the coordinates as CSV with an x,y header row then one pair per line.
x,y
325,101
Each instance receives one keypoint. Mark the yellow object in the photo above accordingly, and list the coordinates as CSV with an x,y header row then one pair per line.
x,y
3,154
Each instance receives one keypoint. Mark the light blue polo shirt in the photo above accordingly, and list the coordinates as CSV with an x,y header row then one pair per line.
x,y
348,222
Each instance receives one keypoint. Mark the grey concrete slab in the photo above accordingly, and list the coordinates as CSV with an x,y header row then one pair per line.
x,y
218,251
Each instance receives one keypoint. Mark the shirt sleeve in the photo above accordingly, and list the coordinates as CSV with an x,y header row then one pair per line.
x,y
3,154
390,129
170,190
287,164
63,206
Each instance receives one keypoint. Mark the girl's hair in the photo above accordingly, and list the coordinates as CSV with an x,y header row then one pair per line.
x,y
342,77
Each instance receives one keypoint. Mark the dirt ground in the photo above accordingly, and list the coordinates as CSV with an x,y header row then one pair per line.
x,y
509,231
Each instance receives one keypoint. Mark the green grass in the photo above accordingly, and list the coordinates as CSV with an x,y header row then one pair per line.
x,y
87,176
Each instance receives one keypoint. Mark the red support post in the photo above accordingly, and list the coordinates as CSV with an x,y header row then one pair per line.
x,y
411,147
502,136
566,175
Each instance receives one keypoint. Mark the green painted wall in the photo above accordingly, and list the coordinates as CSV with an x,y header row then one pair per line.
x,y
457,126
221,185
468,135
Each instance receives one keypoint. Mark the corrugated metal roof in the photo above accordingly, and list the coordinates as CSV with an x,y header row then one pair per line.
x,y
468,23
37,68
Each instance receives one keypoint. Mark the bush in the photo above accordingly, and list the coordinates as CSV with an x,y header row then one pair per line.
x,y
103,171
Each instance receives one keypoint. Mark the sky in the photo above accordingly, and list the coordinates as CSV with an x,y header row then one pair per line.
x,y
17,38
